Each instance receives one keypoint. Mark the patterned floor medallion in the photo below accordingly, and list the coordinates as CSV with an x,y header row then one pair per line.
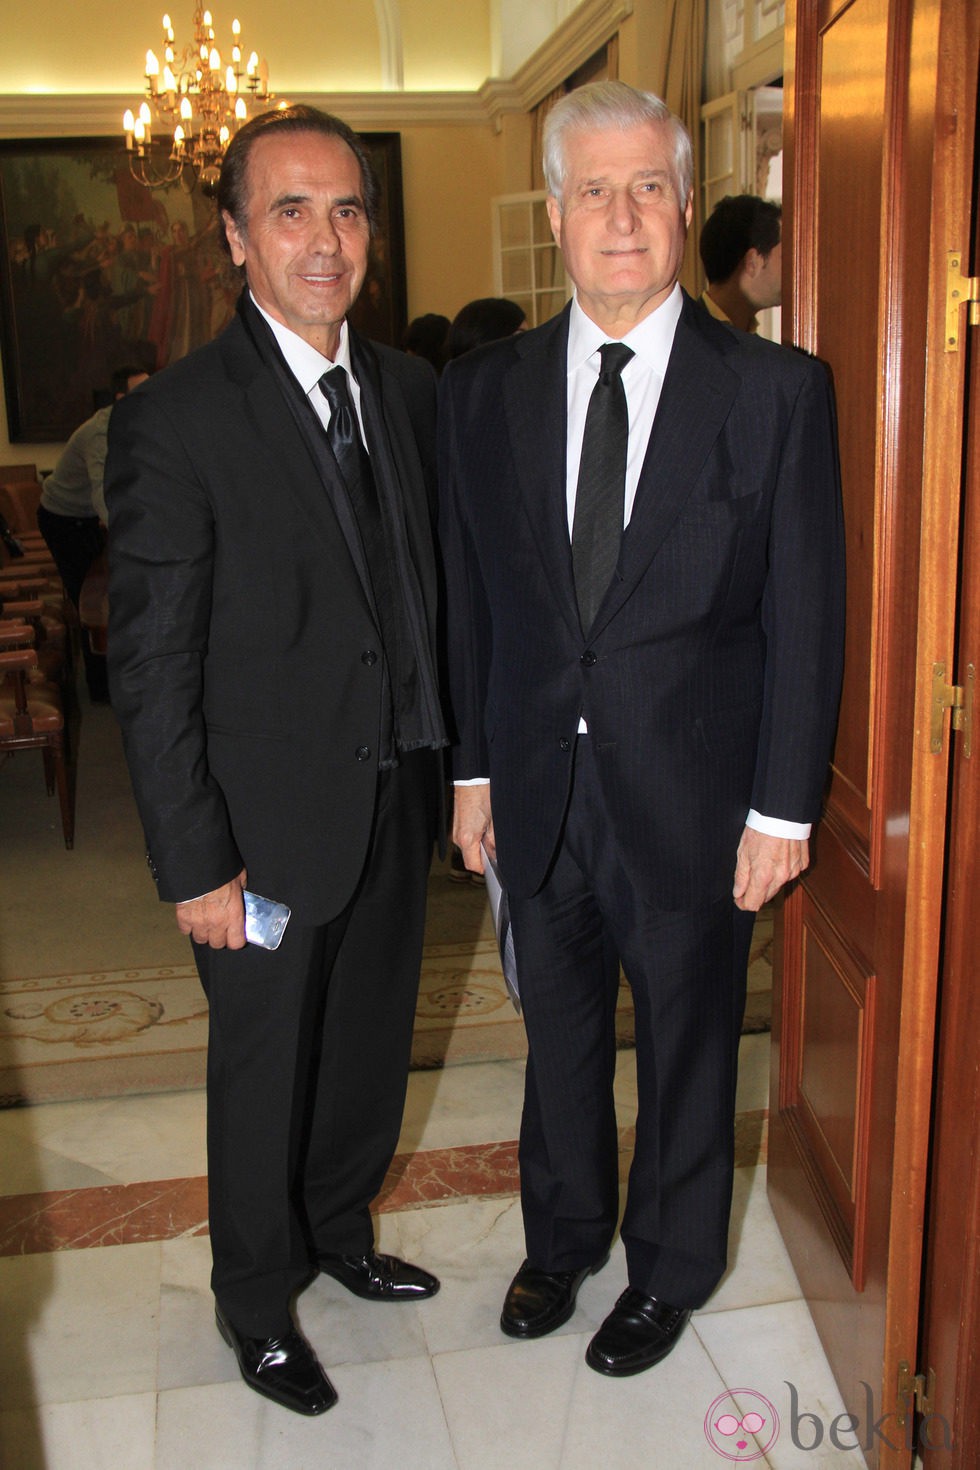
x,y
112,1032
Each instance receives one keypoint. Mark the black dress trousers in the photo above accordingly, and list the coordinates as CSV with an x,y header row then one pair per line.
x,y
308,1054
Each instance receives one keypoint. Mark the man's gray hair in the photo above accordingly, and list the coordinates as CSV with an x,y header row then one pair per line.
x,y
600,106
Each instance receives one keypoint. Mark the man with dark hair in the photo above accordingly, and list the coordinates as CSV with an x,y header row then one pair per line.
x,y
425,336
271,651
72,513
642,533
485,320
742,255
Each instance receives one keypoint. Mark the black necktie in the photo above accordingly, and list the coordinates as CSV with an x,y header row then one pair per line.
x,y
355,466
597,526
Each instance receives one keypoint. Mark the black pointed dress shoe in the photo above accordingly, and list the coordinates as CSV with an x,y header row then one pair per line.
x,y
379,1278
284,1369
539,1301
638,1332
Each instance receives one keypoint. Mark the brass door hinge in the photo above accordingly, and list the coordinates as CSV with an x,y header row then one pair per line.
x,y
955,697
959,288
919,1390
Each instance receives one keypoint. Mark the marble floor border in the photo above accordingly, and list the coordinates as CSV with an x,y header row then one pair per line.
x,y
167,1209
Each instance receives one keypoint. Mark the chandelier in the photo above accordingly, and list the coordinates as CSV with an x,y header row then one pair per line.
x,y
198,102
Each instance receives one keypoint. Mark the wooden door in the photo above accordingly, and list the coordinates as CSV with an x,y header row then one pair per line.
x,y
880,134
949,1356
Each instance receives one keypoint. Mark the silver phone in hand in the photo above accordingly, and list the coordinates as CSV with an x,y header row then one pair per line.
x,y
265,920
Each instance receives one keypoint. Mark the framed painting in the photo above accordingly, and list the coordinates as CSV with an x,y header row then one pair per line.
x,y
99,272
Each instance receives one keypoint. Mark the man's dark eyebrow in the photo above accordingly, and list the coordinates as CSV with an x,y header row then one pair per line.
x,y
289,199
286,199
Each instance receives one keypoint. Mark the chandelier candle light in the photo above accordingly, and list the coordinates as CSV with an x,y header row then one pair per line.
x,y
199,102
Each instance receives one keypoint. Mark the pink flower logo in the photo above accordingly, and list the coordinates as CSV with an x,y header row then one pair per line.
x,y
741,1425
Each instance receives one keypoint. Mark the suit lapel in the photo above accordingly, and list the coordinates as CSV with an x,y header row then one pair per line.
x,y
695,401
393,449
293,469
536,403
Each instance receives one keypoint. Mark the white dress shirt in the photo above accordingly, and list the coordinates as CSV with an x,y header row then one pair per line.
x,y
308,366
643,377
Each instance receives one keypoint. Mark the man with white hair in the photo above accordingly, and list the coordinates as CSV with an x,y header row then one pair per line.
x,y
642,534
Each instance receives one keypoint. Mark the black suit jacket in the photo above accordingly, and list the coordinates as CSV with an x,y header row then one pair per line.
x,y
242,646
710,679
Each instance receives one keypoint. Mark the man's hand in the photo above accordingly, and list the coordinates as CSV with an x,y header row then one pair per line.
x,y
764,864
473,824
216,918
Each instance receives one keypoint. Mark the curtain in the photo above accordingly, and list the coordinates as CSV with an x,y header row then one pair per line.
x,y
602,65
537,130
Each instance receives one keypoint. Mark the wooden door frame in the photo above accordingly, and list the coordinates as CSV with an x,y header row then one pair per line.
x,y
918,473
949,1357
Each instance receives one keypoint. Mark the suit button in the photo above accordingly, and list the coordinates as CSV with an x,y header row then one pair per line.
x,y
369,657
588,658
363,753
564,744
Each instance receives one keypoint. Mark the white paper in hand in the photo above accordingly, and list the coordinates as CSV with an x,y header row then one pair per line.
x,y
500,908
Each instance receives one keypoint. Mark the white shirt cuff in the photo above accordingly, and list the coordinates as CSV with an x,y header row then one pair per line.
x,y
474,781
776,827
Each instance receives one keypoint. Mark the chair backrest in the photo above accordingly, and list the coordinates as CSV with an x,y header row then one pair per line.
x,y
19,500
9,473
15,661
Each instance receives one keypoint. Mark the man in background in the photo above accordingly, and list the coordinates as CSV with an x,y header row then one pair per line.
x,y
742,254
72,514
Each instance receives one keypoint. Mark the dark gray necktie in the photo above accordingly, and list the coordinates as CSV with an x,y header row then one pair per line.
x,y
355,466
597,526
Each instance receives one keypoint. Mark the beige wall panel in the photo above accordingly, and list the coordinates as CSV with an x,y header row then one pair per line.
x,y
449,176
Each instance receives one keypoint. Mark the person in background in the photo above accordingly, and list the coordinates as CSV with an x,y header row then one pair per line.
x,y
72,514
485,320
426,337
742,254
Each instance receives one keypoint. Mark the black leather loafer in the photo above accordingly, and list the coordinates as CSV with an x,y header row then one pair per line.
x,y
539,1301
380,1278
638,1332
284,1369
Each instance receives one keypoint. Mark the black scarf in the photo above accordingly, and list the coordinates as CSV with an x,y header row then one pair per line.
x,y
411,712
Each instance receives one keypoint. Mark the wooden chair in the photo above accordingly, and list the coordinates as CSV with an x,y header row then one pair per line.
x,y
32,581
32,718
19,500
49,635
32,577
9,472
33,554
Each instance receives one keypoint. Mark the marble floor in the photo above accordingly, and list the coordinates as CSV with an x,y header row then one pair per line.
x,y
109,1359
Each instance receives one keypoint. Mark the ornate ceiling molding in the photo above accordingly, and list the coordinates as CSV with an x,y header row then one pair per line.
x,y
100,115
